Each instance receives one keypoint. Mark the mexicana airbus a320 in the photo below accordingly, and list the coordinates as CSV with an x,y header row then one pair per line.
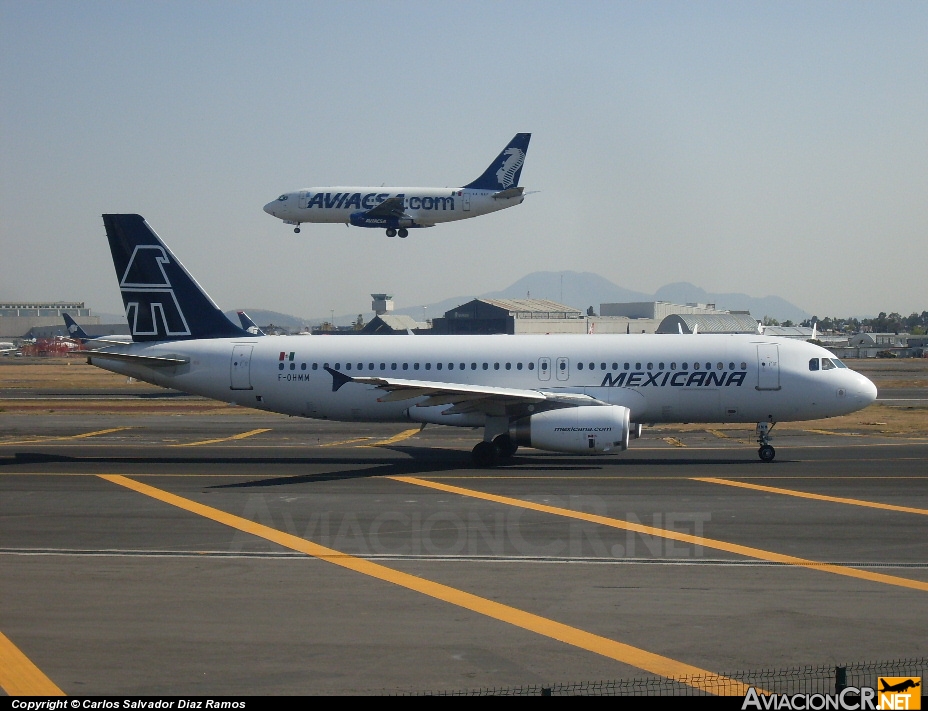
x,y
563,393
398,210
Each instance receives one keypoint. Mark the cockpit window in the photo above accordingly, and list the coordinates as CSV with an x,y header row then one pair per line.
x,y
838,363
827,364
282,198
813,364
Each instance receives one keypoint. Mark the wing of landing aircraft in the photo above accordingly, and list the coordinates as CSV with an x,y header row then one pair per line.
x,y
391,207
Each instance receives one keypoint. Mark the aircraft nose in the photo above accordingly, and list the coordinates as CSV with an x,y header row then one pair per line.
x,y
867,390
271,207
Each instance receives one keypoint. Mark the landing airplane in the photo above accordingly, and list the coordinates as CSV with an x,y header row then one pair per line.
x,y
399,209
565,393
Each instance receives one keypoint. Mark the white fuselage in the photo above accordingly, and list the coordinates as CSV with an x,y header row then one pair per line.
x,y
424,206
660,378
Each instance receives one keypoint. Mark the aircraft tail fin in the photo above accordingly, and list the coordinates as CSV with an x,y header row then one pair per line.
x,y
74,328
503,173
249,325
163,302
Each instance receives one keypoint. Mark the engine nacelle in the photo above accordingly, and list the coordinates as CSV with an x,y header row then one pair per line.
x,y
578,430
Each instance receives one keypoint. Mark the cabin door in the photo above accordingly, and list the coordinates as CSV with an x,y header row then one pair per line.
x,y
240,367
768,367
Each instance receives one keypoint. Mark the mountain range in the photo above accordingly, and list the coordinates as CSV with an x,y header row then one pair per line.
x,y
576,289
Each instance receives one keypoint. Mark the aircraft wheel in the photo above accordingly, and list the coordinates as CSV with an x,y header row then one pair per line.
x,y
505,446
391,232
485,454
296,230
403,232
766,453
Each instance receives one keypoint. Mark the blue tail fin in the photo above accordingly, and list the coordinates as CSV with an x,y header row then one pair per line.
x,y
163,302
249,325
74,328
504,172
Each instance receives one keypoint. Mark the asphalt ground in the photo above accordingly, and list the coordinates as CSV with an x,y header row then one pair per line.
x,y
245,553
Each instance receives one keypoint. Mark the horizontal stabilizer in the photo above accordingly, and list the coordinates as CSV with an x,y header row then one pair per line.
x,y
509,193
151,361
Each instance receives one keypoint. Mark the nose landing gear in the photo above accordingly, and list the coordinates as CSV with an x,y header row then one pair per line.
x,y
766,452
296,230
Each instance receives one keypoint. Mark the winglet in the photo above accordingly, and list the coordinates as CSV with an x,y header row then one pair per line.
x,y
338,379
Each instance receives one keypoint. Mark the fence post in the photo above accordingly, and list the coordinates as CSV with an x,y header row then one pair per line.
x,y
840,679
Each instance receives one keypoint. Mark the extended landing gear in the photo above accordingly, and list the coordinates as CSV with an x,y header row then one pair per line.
x,y
403,232
765,452
489,454
296,230
391,232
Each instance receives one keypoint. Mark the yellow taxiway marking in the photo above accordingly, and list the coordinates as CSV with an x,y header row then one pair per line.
x,y
747,551
19,676
718,433
836,434
627,654
817,497
65,437
405,434
674,441
243,435
344,441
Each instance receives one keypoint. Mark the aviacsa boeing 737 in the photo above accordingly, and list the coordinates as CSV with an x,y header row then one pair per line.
x,y
565,393
398,210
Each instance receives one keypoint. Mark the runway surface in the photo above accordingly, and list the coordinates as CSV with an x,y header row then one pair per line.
x,y
256,554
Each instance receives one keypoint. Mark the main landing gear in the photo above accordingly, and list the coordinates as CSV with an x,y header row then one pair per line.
x,y
296,230
489,454
403,232
765,452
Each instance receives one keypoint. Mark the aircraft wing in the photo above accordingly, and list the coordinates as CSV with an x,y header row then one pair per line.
x,y
508,193
391,207
463,398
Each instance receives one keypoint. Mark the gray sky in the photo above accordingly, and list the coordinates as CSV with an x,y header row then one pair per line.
x,y
766,148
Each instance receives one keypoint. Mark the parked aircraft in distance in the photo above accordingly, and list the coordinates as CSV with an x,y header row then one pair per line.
x,y
7,347
248,324
399,209
79,335
566,393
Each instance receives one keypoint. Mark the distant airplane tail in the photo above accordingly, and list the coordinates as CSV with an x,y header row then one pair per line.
x,y
249,325
163,302
503,173
74,329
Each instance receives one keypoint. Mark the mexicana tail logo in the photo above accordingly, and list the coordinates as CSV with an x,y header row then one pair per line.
x,y
506,174
151,306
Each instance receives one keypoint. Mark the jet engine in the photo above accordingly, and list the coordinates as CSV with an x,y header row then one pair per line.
x,y
578,430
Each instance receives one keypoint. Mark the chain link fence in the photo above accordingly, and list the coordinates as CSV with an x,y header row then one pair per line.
x,y
822,679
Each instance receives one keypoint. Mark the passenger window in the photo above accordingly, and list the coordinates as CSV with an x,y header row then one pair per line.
x,y
602,366
813,364
496,366
708,366
563,365
637,366
438,366
415,366
473,366
650,366
695,366
463,366
383,366
392,366
744,366
660,366
720,366
315,366
405,366
508,366
486,365
347,366
579,366
673,366
450,366
338,366
731,366
683,366
615,366
518,366
626,366
428,366
370,366
531,366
